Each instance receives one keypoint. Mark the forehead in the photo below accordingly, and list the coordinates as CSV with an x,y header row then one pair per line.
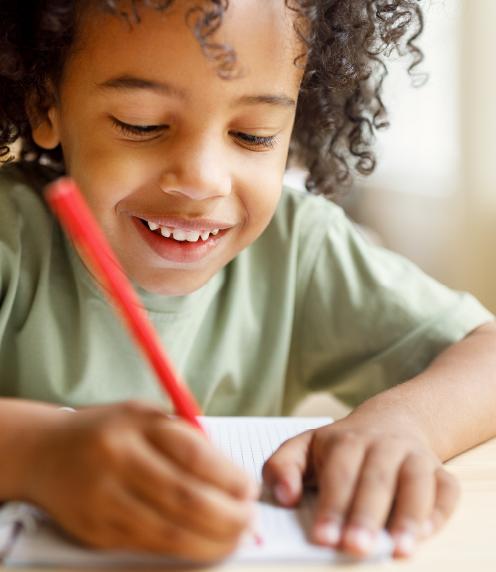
x,y
163,45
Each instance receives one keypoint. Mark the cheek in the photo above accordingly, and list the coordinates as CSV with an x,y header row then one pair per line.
x,y
102,166
261,199
107,177
266,182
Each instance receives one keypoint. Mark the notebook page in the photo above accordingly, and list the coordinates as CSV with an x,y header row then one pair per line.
x,y
248,441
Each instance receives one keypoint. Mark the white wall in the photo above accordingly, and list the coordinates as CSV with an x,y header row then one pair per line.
x,y
439,208
478,118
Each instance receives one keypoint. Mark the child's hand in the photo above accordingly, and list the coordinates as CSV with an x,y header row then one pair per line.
x,y
125,476
367,478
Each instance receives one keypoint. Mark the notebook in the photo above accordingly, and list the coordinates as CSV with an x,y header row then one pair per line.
x,y
29,538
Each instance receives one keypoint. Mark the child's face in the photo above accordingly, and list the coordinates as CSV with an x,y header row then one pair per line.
x,y
197,159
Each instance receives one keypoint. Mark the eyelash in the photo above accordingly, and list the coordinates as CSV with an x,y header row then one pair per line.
x,y
144,130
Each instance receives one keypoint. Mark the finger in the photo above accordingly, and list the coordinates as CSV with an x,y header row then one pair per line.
x,y
132,524
447,496
283,472
338,472
372,499
414,502
179,495
191,450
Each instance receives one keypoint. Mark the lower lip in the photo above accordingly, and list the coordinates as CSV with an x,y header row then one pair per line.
x,y
175,251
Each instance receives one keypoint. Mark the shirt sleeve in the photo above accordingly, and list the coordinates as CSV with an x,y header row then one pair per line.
x,y
25,235
9,258
371,319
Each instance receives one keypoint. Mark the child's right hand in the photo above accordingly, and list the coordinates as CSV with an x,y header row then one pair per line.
x,y
125,476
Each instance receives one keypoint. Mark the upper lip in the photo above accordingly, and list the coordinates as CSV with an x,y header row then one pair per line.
x,y
186,223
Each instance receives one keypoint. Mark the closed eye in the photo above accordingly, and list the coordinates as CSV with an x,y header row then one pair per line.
x,y
150,132
267,142
139,131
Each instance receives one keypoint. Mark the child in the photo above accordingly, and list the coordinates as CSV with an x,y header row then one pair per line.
x,y
175,118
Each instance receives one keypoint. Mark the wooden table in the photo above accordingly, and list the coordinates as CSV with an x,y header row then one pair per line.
x,y
466,544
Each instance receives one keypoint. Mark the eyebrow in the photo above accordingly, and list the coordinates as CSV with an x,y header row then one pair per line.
x,y
129,82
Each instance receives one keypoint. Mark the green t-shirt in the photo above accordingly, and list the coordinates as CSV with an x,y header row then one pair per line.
x,y
310,305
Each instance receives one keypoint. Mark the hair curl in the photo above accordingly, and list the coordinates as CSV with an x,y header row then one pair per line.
x,y
339,105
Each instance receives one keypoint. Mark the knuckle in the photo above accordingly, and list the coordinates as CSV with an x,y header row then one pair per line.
x,y
377,478
415,468
341,473
194,452
133,407
338,444
187,497
347,438
129,406
106,444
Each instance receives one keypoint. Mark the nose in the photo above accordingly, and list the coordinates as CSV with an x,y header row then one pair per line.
x,y
196,172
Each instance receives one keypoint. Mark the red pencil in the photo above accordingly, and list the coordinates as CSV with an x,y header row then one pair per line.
x,y
75,216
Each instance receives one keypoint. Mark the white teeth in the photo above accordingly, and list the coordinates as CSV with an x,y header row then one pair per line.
x,y
179,234
192,236
182,235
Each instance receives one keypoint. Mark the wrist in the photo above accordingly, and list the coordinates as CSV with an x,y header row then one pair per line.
x,y
388,412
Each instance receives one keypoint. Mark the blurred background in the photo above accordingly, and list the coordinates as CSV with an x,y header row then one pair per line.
x,y
432,197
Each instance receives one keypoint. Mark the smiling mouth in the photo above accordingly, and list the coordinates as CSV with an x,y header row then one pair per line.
x,y
180,235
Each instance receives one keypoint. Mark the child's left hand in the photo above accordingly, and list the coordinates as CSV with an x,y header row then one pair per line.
x,y
368,477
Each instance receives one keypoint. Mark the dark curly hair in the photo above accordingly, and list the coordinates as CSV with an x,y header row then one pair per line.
x,y
339,105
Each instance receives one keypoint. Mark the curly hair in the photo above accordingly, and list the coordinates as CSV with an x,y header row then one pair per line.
x,y
346,43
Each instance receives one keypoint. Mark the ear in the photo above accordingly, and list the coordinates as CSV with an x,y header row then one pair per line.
x,y
46,133
45,121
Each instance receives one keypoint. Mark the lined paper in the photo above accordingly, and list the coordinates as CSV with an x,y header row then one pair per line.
x,y
248,441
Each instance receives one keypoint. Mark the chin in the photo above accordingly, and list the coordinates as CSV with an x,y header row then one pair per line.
x,y
171,283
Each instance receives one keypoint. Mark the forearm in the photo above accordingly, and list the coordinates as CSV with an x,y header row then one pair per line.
x,y
20,424
452,403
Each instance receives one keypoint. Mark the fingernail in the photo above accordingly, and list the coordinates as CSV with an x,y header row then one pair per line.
x,y
328,533
361,538
405,543
427,528
282,493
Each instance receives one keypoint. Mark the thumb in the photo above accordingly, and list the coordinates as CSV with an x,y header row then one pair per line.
x,y
284,470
